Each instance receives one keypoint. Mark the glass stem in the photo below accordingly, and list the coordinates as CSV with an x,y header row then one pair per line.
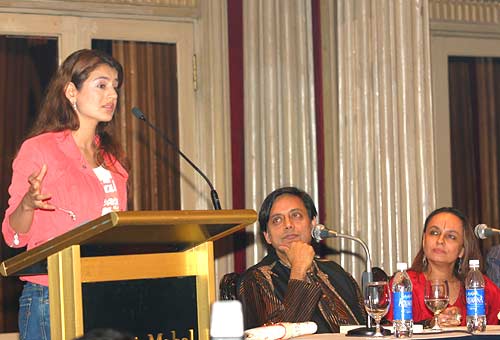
x,y
436,321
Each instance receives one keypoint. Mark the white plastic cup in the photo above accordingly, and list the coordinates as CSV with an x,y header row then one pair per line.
x,y
226,320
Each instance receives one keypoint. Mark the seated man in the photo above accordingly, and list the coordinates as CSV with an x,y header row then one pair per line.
x,y
493,264
290,284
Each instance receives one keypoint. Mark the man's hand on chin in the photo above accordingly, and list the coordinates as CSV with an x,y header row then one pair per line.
x,y
300,256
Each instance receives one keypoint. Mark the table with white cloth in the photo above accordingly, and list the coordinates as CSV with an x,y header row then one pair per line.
x,y
457,333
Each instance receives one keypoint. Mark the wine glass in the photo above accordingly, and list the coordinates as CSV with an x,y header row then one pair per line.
x,y
377,301
436,297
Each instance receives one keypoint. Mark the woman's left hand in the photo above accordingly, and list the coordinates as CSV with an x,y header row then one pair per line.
x,y
450,317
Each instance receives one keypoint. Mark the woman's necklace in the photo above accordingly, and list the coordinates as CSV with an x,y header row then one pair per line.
x,y
455,286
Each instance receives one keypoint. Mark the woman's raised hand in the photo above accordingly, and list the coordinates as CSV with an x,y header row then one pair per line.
x,y
34,199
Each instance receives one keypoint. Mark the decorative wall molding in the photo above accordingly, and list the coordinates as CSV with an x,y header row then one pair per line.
x,y
465,18
159,9
475,12
157,3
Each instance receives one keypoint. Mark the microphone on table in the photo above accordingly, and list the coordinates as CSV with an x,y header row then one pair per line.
x,y
213,193
482,231
320,232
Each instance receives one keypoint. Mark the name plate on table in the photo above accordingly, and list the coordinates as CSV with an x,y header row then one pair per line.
x,y
162,308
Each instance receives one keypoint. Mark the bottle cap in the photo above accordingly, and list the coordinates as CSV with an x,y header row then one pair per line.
x,y
401,266
474,263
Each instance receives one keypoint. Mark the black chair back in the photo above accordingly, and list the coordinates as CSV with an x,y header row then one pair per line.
x,y
228,286
379,274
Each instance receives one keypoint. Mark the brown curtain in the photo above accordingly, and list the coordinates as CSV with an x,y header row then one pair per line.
x,y
151,85
475,135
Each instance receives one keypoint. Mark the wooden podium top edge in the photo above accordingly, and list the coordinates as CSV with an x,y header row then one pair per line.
x,y
243,216
240,218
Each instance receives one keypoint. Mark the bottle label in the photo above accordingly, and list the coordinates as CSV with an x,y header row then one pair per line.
x,y
475,301
402,305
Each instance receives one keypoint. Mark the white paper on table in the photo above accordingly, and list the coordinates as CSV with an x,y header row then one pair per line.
x,y
282,330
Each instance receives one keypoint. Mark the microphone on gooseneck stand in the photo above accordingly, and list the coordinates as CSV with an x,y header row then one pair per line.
x,y
320,232
213,193
482,231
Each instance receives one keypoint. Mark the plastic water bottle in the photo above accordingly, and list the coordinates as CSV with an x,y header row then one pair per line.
x,y
474,294
402,301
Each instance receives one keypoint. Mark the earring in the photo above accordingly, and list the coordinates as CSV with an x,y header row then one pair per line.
x,y
424,261
459,264
74,106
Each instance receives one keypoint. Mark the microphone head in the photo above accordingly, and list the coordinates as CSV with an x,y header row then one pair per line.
x,y
320,232
138,113
316,232
481,231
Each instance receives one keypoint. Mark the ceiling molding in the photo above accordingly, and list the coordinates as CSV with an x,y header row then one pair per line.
x,y
160,10
485,12
465,18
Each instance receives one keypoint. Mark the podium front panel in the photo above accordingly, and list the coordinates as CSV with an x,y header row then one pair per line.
x,y
165,306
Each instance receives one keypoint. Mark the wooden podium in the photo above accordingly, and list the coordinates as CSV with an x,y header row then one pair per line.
x,y
150,273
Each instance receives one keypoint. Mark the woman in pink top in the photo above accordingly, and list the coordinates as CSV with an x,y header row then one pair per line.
x,y
448,243
67,172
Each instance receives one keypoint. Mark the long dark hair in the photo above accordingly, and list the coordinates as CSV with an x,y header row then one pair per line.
x,y
471,245
57,114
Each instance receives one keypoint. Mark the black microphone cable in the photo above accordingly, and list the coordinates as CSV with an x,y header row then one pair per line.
x,y
213,193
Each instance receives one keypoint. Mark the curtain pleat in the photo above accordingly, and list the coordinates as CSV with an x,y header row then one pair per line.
x,y
151,85
381,127
280,125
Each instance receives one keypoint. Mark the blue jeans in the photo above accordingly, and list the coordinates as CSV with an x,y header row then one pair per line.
x,y
34,312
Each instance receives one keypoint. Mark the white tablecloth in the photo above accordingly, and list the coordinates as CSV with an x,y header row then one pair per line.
x,y
458,332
